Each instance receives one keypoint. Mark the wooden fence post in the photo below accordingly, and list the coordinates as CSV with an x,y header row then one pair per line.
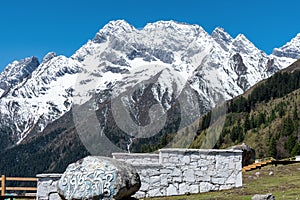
x,y
3,185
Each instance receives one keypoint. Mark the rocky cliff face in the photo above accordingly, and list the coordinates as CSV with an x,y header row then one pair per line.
x,y
15,72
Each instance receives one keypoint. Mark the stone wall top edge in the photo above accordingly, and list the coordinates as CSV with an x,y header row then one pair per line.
x,y
174,150
141,166
136,154
54,175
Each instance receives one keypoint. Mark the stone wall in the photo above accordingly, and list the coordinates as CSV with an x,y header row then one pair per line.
x,y
172,172
46,186
185,171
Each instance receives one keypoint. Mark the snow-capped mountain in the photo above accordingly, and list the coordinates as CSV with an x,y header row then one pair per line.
x,y
150,66
15,72
290,49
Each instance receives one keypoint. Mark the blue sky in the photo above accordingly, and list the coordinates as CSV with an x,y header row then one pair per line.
x,y
35,27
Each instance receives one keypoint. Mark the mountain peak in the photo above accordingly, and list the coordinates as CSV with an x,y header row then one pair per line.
x,y
220,30
16,71
115,27
242,44
162,23
291,49
222,37
177,26
116,24
31,61
295,40
241,37
48,57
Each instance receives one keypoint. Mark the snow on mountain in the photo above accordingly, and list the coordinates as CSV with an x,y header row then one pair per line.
x,y
15,72
162,59
222,38
41,98
290,49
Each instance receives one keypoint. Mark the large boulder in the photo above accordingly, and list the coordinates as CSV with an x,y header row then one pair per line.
x,y
96,177
248,156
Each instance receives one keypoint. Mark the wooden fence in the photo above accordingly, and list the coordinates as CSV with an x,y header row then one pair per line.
x,y
4,189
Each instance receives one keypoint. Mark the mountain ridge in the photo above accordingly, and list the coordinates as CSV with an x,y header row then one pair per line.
x,y
59,144
213,66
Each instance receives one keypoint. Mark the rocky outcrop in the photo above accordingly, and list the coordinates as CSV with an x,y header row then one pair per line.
x,y
248,153
48,57
263,197
96,177
17,71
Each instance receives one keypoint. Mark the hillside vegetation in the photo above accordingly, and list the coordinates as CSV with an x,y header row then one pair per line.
x,y
266,118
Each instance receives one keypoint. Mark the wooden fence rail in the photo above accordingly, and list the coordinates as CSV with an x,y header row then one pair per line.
x,y
4,179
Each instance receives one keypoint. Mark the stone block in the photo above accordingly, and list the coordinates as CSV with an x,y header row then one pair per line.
x,y
143,172
173,160
232,165
199,174
139,194
177,179
195,157
226,187
211,173
231,179
211,158
153,172
194,189
54,196
145,179
219,181
176,172
164,180
206,178
183,188
221,166
206,187
194,163
238,165
155,192
164,160
172,190
224,174
186,160
42,193
239,182
203,162
144,186
166,171
155,181
212,167
189,176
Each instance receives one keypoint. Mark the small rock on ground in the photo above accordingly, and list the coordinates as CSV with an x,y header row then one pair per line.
x,y
263,197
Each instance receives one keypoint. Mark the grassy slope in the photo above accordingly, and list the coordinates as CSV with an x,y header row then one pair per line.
x,y
284,184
